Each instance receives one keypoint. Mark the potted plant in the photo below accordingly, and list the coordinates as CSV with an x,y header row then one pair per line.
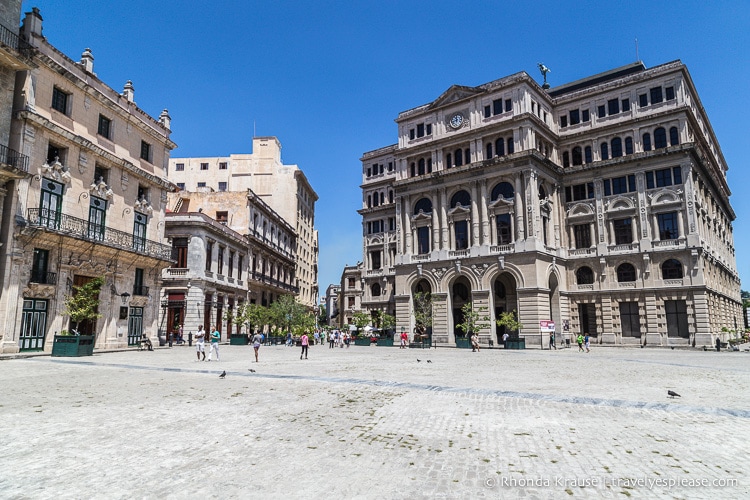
x,y
81,305
237,318
361,320
474,320
386,324
512,326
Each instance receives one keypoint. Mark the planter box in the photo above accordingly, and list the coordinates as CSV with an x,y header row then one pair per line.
x,y
515,344
73,345
238,340
388,342
463,343
364,342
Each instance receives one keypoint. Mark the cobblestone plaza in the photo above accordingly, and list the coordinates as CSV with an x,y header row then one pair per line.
x,y
373,422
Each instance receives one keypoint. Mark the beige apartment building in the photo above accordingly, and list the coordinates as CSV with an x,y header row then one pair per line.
x,y
283,187
84,197
351,294
601,205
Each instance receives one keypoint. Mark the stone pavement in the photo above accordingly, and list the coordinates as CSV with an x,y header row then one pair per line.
x,y
372,422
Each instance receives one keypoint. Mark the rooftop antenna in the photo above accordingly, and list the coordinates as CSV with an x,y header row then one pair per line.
x,y
636,51
544,69
253,129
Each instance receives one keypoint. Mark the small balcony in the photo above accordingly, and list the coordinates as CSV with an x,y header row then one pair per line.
x,y
13,159
43,277
140,290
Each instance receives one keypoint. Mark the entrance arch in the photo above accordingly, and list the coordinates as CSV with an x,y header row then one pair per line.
x,y
421,307
554,303
460,295
505,298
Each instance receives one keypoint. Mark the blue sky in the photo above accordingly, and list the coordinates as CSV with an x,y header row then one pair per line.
x,y
329,77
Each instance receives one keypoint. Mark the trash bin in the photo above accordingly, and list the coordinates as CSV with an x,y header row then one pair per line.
x,y
567,343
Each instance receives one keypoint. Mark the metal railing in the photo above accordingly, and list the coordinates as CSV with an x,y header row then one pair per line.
x,y
14,158
262,278
12,40
141,290
43,278
82,229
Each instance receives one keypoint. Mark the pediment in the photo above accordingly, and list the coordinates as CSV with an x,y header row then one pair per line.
x,y
422,216
581,210
460,210
620,203
453,94
665,197
502,203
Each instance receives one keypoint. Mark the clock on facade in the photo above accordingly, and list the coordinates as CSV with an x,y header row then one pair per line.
x,y
457,120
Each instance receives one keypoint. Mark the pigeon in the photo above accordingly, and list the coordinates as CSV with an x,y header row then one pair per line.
x,y
251,370
672,394
429,361
223,374
419,360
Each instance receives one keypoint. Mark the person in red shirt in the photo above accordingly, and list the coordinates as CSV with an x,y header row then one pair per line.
x,y
404,339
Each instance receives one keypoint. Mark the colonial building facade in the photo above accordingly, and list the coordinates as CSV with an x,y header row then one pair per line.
x,y
85,199
283,187
351,294
223,261
602,205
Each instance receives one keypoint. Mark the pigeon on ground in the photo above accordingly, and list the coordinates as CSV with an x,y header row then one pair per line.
x,y
672,394
419,360
429,361
251,370
223,374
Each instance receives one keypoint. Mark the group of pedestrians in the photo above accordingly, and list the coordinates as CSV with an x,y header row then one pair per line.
x,y
583,342
200,344
337,338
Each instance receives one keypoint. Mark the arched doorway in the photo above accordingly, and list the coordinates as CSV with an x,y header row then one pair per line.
x,y
422,311
554,303
460,296
505,299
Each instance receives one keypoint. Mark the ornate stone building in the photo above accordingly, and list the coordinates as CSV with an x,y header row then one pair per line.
x,y
229,248
351,294
85,199
283,187
602,205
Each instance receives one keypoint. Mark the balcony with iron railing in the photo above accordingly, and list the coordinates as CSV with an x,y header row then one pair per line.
x,y
140,290
262,278
13,159
43,277
74,227
12,40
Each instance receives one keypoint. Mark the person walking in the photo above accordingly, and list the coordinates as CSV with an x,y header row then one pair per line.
x,y
586,342
200,343
215,337
474,342
404,338
316,336
257,340
579,340
552,341
305,341
331,339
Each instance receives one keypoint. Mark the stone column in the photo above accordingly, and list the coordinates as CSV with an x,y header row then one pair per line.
x,y
407,225
493,230
485,239
435,236
444,225
520,227
474,216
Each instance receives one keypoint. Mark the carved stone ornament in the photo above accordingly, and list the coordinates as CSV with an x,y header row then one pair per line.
x,y
143,205
99,188
124,181
83,162
56,172
138,301
39,291
439,272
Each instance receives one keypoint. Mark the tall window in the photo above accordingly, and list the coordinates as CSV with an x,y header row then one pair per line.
x,y
375,259
180,251
623,231
230,269
582,234
39,266
138,288
209,254
605,151
500,147
423,239
60,100
509,142
240,259
146,151
660,138
674,136
647,142
97,216
139,232
587,154
656,95
462,234
504,236
668,229
105,126
50,206
577,156
616,147
220,260
628,145
375,290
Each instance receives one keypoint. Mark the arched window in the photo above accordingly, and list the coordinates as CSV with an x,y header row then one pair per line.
x,y
429,165
510,146
390,196
584,276
423,287
488,152
587,154
375,290
674,137
566,159
459,154
461,198
625,273
448,161
375,200
413,169
647,142
605,151
467,156
628,145
500,147
420,166
577,156
660,138
542,192
369,201
499,290
382,197
423,205
460,291
504,189
616,147
671,269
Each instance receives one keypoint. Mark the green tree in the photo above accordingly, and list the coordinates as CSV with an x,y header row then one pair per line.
x,y
256,317
509,321
289,314
474,320
83,303
387,321
423,309
361,320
